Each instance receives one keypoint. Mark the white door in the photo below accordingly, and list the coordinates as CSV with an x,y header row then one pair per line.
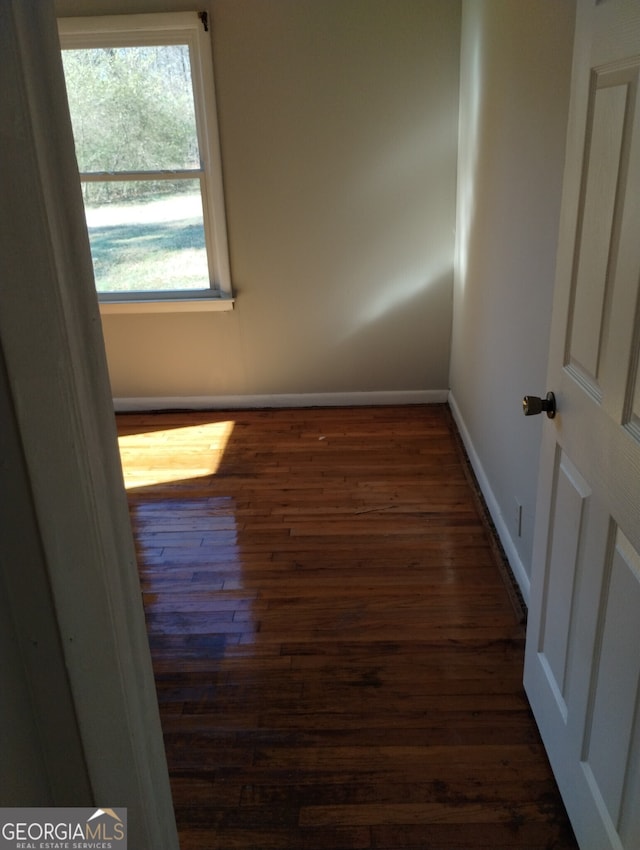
x,y
582,668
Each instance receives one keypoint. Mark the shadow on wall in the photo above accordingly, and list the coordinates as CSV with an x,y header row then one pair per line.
x,y
408,324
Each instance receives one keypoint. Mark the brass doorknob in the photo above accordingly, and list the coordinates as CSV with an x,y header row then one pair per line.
x,y
533,404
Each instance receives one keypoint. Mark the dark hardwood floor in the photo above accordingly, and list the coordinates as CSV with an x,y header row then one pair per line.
x,y
337,654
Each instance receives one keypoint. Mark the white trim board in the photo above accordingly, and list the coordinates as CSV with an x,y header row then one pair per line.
x,y
515,562
102,710
246,402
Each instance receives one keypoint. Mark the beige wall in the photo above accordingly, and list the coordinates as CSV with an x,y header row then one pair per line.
x,y
516,62
338,126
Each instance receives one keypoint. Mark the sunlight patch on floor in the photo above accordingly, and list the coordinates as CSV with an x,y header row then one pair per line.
x,y
174,454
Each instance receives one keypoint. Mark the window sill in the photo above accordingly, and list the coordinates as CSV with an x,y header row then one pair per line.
x,y
176,305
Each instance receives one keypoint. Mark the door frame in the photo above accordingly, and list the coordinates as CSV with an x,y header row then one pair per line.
x,y
51,340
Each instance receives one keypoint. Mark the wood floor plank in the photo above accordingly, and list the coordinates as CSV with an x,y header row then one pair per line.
x,y
338,655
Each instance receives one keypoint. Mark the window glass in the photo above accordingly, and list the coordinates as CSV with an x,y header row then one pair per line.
x,y
132,108
147,236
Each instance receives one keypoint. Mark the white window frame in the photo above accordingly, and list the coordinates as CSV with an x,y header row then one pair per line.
x,y
190,28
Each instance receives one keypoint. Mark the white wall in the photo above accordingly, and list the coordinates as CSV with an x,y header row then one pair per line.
x,y
515,71
42,760
338,126
23,776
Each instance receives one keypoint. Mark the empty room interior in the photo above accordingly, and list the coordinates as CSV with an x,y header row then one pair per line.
x,y
280,600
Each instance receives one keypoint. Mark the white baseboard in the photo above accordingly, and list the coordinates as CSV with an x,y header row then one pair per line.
x,y
246,402
515,562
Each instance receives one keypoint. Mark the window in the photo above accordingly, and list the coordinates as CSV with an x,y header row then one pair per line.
x,y
142,103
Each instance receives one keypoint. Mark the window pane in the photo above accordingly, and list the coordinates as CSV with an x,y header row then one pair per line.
x,y
147,235
132,108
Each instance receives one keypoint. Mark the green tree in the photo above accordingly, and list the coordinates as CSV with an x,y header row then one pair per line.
x,y
131,110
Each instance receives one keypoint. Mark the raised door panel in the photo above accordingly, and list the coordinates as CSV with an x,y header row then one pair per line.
x,y
567,524
601,328
612,723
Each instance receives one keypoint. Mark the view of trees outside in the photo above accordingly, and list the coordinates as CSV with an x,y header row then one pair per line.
x,y
132,110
